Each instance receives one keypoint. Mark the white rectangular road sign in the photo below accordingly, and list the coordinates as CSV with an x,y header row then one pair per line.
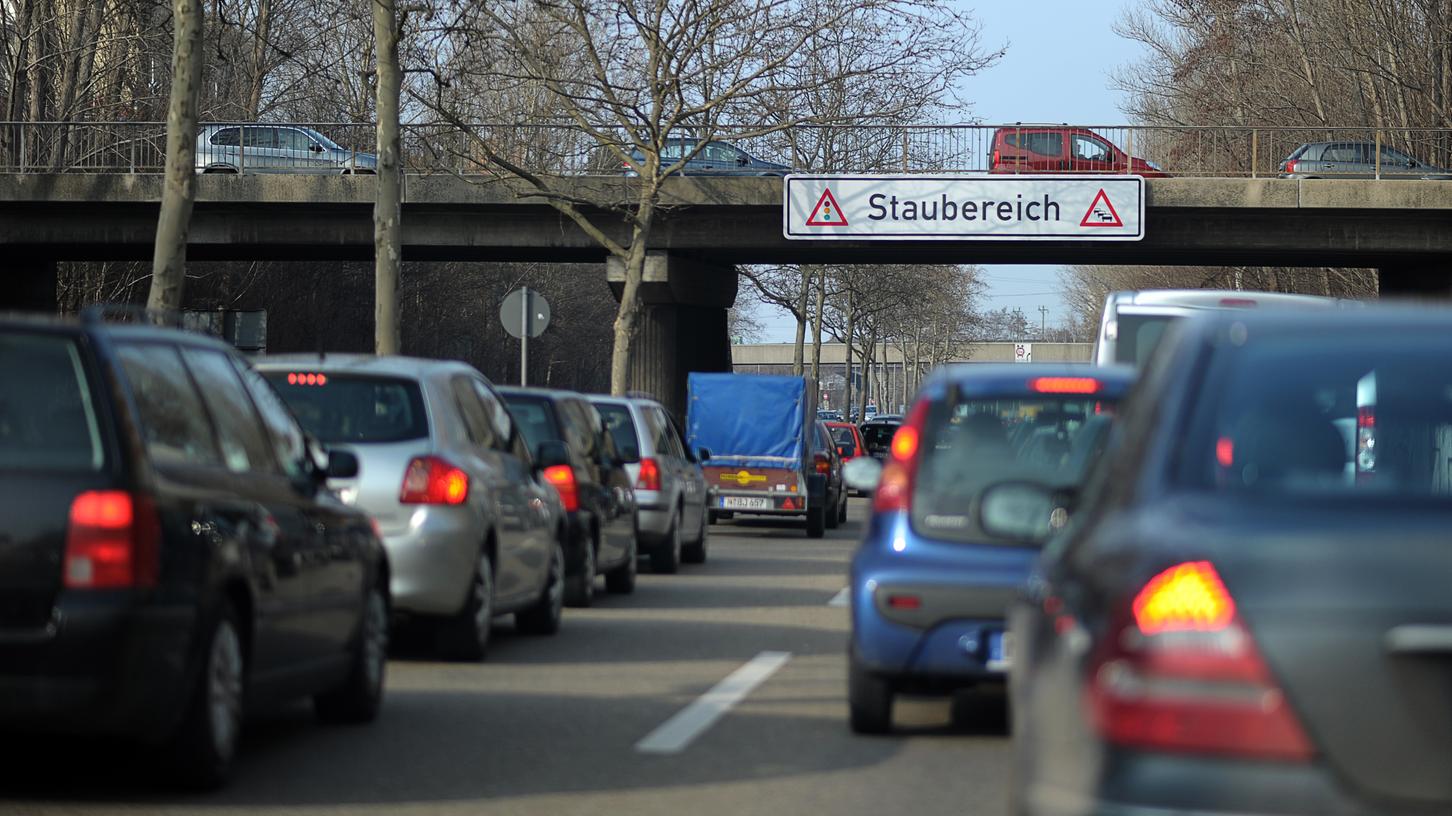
x,y
964,208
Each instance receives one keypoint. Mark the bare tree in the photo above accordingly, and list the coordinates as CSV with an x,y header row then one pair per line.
x,y
388,207
168,264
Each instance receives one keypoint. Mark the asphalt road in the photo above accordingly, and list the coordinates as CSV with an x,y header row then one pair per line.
x,y
574,724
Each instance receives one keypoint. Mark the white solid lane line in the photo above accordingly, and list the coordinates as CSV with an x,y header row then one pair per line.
x,y
841,598
679,731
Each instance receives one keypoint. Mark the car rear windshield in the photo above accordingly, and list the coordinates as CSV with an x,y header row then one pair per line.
x,y
969,446
878,436
622,429
844,437
1137,337
536,418
353,407
47,421
1347,415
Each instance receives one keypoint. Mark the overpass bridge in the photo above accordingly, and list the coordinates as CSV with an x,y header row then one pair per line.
x,y
707,225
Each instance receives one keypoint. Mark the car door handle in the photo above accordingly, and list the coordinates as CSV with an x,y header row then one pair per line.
x,y
1419,638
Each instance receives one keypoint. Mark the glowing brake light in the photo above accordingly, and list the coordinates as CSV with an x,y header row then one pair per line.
x,y
1225,451
301,378
1064,385
563,479
112,541
649,478
1188,597
895,487
431,480
1241,303
905,443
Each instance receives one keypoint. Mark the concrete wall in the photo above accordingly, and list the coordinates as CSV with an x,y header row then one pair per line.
x,y
759,354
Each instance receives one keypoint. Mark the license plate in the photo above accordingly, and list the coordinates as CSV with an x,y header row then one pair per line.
x,y
1000,651
745,503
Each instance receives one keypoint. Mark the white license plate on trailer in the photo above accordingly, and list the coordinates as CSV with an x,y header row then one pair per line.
x,y
744,503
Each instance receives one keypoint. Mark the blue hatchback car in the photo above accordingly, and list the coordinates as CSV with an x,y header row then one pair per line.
x,y
930,589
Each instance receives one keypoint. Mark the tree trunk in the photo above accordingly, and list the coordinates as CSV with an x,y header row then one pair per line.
x,y
851,320
388,206
629,312
797,350
259,57
168,261
867,378
817,326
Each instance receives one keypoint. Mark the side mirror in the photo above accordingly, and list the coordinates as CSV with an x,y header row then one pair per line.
x,y
862,473
551,453
342,464
703,454
1022,511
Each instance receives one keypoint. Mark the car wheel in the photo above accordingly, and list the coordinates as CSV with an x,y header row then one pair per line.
x,y
466,635
544,617
621,580
580,588
229,171
695,552
666,559
816,521
833,516
869,700
358,698
842,517
202,750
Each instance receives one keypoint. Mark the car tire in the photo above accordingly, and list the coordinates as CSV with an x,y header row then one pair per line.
x,y
842,517
665,559
833,516
696,551
816,521
466,635
869,700
543,618
580,588
621,580
358,698
200,753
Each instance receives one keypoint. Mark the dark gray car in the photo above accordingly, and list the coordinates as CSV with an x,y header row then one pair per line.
x,y
713,159
1356,160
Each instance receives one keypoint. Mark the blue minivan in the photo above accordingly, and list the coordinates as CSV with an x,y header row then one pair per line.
x,y
929,588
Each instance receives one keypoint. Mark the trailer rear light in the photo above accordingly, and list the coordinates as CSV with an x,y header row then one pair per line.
x,y
562,477
1180,673
112,541
649,478
431,480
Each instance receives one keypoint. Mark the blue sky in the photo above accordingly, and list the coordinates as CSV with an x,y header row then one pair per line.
x,y
1057,69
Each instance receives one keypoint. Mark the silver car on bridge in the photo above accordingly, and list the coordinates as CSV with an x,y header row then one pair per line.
x,y
671,493
472,531
276,149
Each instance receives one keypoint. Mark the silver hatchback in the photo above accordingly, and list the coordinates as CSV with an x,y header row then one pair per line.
x,y
471,529
671,493
276,149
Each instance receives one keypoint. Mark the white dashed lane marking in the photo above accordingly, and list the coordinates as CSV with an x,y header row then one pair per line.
x,y
675,734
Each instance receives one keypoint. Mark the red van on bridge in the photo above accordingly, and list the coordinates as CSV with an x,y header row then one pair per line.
x,y
1062,149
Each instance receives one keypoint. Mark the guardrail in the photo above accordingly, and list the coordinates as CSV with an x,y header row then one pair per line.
x,y
341,147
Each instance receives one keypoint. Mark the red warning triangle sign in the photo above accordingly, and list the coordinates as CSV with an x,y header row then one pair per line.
x,y
1101,213
827,213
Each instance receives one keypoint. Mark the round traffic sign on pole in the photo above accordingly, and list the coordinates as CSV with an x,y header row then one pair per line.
x,y
524,313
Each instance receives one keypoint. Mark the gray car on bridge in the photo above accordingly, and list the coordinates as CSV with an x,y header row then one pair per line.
x,y
1357,160
471,529
276,149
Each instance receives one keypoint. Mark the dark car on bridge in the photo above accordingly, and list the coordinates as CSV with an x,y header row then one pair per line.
x,y
930,588
1357,160
169,555
711,159
1062,149
1249,610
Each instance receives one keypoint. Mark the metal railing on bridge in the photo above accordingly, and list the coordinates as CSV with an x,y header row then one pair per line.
x,y
342,147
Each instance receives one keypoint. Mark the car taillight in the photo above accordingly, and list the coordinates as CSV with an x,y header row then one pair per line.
x,y
997,157
824,463
112,541
1365,443
305,378
1064,385
1290,166
1238,303
649,478
563,479
1180,673
431,480
895,487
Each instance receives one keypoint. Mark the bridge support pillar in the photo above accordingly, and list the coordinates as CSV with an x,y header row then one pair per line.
x,y
682,327
1419,281
28,286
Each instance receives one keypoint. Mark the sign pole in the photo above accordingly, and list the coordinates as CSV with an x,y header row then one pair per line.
x,y
524,339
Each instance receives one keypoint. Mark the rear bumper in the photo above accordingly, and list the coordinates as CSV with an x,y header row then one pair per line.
x,y
432,560
1137,784
108,667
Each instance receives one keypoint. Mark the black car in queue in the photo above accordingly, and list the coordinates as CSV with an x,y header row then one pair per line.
x,y
169,557
1249,610
595,487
